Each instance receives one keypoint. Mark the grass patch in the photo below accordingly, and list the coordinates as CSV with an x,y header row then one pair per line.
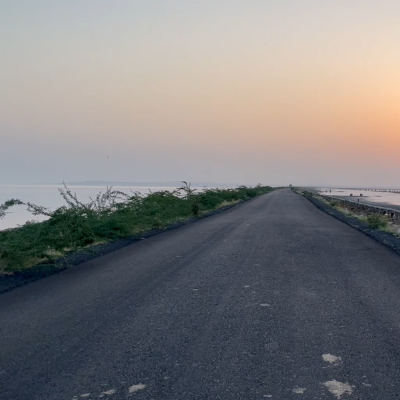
x,y
109,216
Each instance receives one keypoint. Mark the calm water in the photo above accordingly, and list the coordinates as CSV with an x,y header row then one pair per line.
x,y
48,196
367,197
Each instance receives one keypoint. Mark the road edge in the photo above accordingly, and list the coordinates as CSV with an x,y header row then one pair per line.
x,y
18,279
382,237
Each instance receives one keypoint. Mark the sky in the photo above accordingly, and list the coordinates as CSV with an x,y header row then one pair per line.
x,y
277,92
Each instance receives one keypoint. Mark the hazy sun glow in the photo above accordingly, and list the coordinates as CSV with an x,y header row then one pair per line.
x,y
265,91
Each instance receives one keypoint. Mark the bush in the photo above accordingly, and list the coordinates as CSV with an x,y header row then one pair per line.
x,y
377,221
334,203
110,215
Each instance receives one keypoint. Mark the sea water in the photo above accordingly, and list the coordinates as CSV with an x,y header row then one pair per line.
x,y
385,198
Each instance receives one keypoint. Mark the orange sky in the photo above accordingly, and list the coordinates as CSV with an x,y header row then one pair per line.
x,y
318,82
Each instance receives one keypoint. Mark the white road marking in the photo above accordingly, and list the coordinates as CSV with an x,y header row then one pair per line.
x,y
338,389
367,385
299,390
331,359
265,305
85,395
109,392
135,388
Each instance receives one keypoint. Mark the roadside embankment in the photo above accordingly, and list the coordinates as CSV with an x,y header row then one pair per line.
x,y
363,207
78,232
370,220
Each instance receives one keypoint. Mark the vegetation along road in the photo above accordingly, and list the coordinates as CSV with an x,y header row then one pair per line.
x,y
270,299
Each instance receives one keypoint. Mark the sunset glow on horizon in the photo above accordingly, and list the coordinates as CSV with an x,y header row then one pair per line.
x,y
302,92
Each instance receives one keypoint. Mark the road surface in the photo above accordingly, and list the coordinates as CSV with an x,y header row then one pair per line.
x,y
272,299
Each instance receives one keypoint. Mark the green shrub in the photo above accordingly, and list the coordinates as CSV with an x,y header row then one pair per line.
x,y
334,203
110,215
377,221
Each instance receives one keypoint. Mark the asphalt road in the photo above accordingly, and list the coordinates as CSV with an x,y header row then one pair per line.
x,y
271,299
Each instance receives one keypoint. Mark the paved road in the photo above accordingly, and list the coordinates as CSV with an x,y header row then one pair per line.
x,y
271,299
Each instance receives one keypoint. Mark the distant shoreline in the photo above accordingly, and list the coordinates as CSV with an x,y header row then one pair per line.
x,y
138,184
141,184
